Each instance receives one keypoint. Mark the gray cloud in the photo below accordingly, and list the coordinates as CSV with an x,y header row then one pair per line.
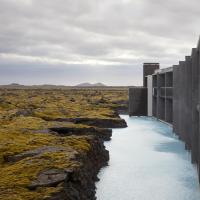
x,y
90,37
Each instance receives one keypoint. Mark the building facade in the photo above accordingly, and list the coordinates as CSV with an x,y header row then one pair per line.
x,y
173,95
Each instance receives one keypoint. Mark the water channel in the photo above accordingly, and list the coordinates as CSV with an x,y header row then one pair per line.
x,y
147,162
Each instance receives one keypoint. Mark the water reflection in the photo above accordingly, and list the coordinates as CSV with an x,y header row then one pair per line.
x,y
172,147
147,162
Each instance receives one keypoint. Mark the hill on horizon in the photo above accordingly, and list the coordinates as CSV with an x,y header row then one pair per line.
x,y
91,85
49,86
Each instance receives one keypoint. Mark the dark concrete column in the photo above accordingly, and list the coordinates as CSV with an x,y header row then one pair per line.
x,y
175,98
188,95
195,114
138,101
168,110
181,100
183,103
168,100
155,84
198,105
161,96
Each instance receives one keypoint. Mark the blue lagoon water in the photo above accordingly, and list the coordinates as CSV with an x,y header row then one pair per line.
x,y
147,162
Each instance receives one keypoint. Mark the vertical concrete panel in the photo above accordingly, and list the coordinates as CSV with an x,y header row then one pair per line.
x,y
195,114
155,95
138,101
181,100
168,100
188,87
168,110
198,105
149,94
184,105
175,98
157,98
185,108
165,100
161,96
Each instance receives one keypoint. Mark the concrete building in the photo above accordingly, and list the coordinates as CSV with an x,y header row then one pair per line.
x,y
162,87
172,95
140,97
148,69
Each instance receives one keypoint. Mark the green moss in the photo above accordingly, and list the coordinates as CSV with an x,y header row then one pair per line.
x,y
22,114
15,177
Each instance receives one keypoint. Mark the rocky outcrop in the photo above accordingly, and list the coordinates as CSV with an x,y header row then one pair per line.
x,y
98,122
102,123
75,183
102,133
80,184
34,153
49,178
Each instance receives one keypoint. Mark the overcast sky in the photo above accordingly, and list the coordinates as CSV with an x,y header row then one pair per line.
x,y
73,41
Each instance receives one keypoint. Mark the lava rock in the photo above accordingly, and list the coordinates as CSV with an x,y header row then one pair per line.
x,y
49,178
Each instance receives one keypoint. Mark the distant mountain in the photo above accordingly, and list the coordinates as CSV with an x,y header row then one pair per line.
x,y
49,86
12,85
100,86
15,84
45,86
91,85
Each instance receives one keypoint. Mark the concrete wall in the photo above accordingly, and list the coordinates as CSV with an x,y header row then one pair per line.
x,y
186,98
162,100
138,101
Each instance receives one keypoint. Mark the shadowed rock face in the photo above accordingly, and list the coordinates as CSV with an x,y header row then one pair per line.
x,y
97,122
74,183
49,178
102,123
102,133
80,184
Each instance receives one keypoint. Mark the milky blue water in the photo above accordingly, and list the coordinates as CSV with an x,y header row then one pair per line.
x,y
147,162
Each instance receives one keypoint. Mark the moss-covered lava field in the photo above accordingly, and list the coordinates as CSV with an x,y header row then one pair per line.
x,y
46,137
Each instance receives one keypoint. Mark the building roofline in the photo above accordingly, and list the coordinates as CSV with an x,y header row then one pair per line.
x,y
151,63
164,70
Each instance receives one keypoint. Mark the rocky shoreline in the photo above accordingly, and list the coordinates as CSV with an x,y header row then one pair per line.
x,y
67,182
80,183
103,133
97,122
